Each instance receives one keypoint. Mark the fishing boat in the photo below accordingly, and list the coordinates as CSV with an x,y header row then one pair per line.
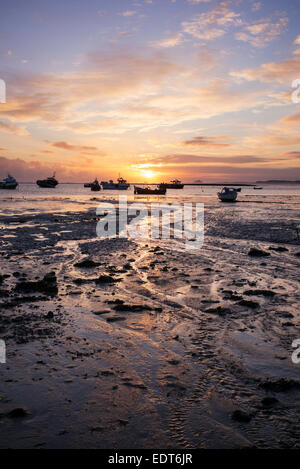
x,y
88,184
228,194
9,183
148,191
95,186
121,185
175,184
256,188
50,182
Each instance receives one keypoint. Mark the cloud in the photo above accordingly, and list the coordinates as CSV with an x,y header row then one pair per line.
x,y
37,104
278,139
280,72
292,155
216,22
69,147
206,141
297,40
184,159
294,119
118,91
128,13
8,127
256,6
71,100
171,41
241,167
208,59
29,171
260,33
212,24
194,2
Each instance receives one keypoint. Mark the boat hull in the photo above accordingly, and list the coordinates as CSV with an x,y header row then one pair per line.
x,y
46,185
10,187
143,191
95,188
227,197
172,186
115,187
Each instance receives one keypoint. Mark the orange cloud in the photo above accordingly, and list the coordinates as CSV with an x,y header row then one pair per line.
x,y
206,141
30,171
280,72
294,119
69,147
8,127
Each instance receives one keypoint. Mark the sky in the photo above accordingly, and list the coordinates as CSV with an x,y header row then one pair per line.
x,y
152,90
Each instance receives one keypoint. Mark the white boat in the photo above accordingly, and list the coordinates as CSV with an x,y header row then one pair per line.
x,y
9,183
228,194
121,185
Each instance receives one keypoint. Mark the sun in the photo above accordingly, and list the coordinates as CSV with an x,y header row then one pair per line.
x,y
147,173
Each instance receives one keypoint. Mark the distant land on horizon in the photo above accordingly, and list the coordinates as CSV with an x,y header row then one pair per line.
x,y
278,181
200,183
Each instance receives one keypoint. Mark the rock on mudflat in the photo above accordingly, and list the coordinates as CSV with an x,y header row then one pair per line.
x,y
249,303
219,310
48,285
19,412
280,385
132,308
87,264
254,252
241,416
269,293
3,277
107,279
269,401
115,318
278,249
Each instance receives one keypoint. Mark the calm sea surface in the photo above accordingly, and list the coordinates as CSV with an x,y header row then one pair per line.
x,y
29,198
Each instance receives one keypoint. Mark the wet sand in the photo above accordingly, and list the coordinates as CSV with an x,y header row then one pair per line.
x,y
148,345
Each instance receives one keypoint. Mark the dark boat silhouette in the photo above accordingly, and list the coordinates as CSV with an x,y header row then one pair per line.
x,y
50,182
121,185
175,184
149,191
9,183
228,194
95,186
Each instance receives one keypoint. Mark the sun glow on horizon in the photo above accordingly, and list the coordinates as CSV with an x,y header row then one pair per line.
x,y
147,173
